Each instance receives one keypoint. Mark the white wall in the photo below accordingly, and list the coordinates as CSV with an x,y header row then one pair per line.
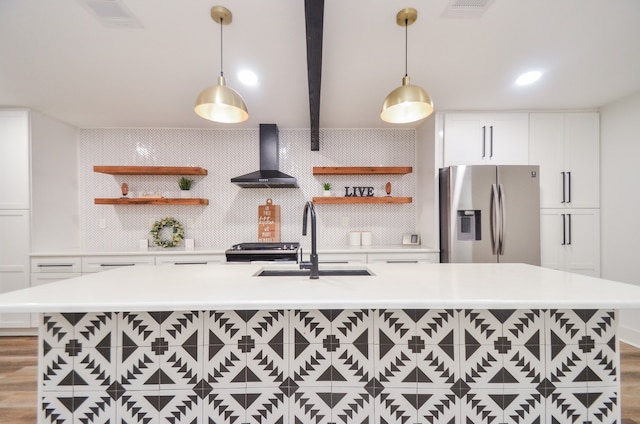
x,y
55,221
620,201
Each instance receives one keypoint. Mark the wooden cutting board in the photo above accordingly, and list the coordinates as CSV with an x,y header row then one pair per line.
x,y
269,223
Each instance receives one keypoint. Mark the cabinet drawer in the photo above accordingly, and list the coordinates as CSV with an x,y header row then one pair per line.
x,y
189,259
46,278
105,263
341,258
57,264
412,257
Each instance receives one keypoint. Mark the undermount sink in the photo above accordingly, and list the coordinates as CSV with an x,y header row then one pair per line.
x,y
289,272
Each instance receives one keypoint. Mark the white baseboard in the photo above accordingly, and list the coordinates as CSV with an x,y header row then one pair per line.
x,y
629,335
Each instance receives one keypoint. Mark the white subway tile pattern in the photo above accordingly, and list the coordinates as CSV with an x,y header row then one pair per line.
x,y
231,216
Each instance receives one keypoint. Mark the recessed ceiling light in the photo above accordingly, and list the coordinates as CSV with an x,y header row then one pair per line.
x,y
528,78
248,77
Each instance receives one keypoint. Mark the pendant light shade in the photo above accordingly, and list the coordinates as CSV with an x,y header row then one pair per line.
x,y
407,103
221,103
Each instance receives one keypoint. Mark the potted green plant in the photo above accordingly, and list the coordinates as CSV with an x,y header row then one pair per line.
x,y
185,185
327,189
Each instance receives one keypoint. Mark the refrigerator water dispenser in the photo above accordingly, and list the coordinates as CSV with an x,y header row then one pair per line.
x,y
469,225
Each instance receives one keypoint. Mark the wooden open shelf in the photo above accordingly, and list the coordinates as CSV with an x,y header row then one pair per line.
x,y
362,170
149,201
150,170
354,200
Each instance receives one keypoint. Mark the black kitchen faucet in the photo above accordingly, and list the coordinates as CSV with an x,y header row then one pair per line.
x,y
313,263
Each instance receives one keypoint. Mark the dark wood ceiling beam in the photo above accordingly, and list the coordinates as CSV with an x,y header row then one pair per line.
x,y
314,19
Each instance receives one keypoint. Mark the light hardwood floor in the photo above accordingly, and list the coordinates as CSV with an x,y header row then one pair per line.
x,y
18,380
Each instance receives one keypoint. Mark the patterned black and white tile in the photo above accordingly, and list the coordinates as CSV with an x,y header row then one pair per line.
x,y
330,366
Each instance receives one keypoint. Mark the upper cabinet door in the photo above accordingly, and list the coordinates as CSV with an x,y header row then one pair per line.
x,y
14,160
508,138
546,149
582,158
486,138
463,139
567,148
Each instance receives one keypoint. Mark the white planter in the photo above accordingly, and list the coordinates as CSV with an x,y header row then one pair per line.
x,y
326,193
185,194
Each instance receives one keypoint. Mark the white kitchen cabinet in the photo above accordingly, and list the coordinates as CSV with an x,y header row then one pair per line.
x,y
187,259
340,258
49,269
14,261
14,208
14,160
105,263
567,148
570,240
403,257
486,138
56,265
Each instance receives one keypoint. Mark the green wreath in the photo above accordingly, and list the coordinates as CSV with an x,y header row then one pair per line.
x,y
177,232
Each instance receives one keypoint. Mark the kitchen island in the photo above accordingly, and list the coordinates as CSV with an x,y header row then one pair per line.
x,y
413,343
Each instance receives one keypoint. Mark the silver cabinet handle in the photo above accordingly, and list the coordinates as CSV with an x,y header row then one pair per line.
x,y
569,228
484,133
54,265
399,261
190,263
334,262
491,141
564,230
569,191
107,265
564,185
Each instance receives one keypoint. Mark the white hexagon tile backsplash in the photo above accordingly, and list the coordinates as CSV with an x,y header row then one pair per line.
x,y
232,214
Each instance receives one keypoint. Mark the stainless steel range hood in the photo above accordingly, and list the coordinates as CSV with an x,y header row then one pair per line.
x,y
268,176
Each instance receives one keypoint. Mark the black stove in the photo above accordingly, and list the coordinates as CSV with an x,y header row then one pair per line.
x,y
254,252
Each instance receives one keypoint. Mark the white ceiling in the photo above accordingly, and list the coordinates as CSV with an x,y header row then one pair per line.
x,y
58,58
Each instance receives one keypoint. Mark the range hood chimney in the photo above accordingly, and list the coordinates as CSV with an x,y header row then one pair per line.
x,y
268,176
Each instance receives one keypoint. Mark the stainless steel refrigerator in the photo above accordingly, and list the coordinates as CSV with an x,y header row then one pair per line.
x,y
490,213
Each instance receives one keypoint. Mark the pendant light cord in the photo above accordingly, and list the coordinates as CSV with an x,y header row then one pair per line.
x,y
406,49
221,62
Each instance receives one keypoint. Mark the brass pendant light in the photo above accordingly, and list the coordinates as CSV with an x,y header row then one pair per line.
x,y
407,103
220,103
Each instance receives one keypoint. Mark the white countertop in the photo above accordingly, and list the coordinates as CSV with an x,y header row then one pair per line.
x,y
233,286
156,251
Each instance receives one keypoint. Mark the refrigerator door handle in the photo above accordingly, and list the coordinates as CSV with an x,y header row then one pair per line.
x,y
494,219
484,137
564,195
502,201
564,230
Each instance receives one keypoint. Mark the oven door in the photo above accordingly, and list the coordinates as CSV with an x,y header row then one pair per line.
x,y
264,252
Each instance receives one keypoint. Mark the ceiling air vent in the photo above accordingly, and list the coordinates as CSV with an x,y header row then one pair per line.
x,y
111,13
466,8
